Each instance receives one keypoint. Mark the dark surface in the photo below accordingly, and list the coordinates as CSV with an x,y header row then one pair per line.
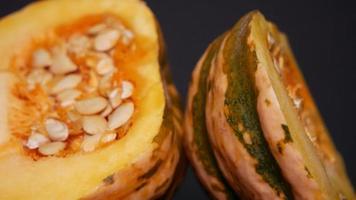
x,y
322,34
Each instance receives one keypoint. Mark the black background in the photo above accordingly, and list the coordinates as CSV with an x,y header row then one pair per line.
x,y
322,34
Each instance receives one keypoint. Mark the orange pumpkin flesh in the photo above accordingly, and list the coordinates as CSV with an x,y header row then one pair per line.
x,y
140,162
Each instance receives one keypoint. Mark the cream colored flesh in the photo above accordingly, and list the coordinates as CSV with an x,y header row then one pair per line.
x,y
6,84
301,143
317,131
271,119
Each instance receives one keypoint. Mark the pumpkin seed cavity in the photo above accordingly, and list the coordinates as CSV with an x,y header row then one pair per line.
x,y
87,101
279,58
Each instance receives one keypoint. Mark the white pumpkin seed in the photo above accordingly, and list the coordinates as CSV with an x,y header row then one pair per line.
x,y
97,29
107,111
105,84
73,115
113,93
35,140
93,57
127,89
93,83
51,148
114,98
39,76
67,82
109,137
127,37
57,130
270,41
105,65
276,65
106,40
121,115
297,101
68,97
113,23
91,105
61,64
94,124
41,58
78,44
90,142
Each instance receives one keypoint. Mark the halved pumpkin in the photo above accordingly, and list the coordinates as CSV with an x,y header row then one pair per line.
x,y
87,108
256,115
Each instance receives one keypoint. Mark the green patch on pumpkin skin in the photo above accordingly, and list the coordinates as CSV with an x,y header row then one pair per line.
x,y
280,147
201,140
151,171
240,64
198,114
287,135
141,186
109,180
268,102
309,175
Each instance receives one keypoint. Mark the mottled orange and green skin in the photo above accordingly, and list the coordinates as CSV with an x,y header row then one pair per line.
x,y
241,100
204,151
236,53
239,66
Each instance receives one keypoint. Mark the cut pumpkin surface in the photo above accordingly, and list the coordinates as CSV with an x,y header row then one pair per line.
x,y
88,108
262,131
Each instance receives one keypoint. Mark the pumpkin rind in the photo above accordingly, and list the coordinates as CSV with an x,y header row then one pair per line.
x,y
233,127
260,144
196,140
141,165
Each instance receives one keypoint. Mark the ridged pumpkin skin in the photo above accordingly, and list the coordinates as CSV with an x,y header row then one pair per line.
x,y
141,165
252,125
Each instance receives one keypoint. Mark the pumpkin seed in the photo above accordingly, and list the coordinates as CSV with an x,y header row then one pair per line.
x,y
67,82
105,84
35,140
93,83
57,130
107,111
276,65
78,44
39,76
270,41
62,64
297,101
105,65
73,115
51,148
109,137
41,58
97,29
68,97
127,37
90,142
127,89
94,124
121,115
114,97
91,105
106,40
93,57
